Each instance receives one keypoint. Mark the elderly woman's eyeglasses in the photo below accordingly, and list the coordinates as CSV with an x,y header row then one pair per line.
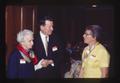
x,y
87,34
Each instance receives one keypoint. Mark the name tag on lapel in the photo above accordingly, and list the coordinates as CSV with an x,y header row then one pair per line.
x,y
54,48
22,61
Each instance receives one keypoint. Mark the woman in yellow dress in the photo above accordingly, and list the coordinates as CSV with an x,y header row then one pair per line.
x,y
95,57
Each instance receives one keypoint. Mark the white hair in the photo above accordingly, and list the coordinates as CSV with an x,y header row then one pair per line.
x,y
22,34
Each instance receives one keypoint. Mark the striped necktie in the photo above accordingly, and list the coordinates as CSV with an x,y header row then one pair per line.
x,y
46,45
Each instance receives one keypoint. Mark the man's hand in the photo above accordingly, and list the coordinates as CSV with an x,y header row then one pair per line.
x,y
44,63
51,62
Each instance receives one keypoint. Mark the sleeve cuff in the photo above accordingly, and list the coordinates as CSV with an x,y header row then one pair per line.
x,y
38,66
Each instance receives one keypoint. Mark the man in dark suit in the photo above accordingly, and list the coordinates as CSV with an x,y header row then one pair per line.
x,y
47,47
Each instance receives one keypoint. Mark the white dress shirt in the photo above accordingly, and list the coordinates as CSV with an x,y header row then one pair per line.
x,y
43,37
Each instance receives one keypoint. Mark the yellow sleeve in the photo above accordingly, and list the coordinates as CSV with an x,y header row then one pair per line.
x,y
82,58
104,58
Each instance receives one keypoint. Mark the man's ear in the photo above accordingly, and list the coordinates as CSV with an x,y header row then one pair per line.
x,y
41,27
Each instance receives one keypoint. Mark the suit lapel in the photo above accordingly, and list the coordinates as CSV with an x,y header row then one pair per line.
x,y
42,47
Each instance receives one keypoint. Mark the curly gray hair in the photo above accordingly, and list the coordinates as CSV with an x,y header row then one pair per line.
x,y
22,34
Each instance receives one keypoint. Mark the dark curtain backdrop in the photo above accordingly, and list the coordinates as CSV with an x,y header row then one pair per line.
x,y
70,21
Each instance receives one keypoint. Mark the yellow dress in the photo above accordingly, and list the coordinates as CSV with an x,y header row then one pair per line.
x,y
94,61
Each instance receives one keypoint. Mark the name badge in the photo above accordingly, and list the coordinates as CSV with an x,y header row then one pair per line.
x,y
22,61
92,57
54,48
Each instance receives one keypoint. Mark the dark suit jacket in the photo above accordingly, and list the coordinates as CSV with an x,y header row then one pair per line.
x,y
18,69
55,55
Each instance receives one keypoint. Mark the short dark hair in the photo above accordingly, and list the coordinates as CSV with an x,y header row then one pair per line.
x,y
43,19
96,31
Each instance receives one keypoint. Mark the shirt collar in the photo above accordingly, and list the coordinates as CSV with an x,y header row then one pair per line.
x,y
43,35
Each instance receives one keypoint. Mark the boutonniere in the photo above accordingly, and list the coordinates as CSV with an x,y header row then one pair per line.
x,y
54,48
33,57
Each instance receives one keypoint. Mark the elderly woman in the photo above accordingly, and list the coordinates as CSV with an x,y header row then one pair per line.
x,y
22,62
95,57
